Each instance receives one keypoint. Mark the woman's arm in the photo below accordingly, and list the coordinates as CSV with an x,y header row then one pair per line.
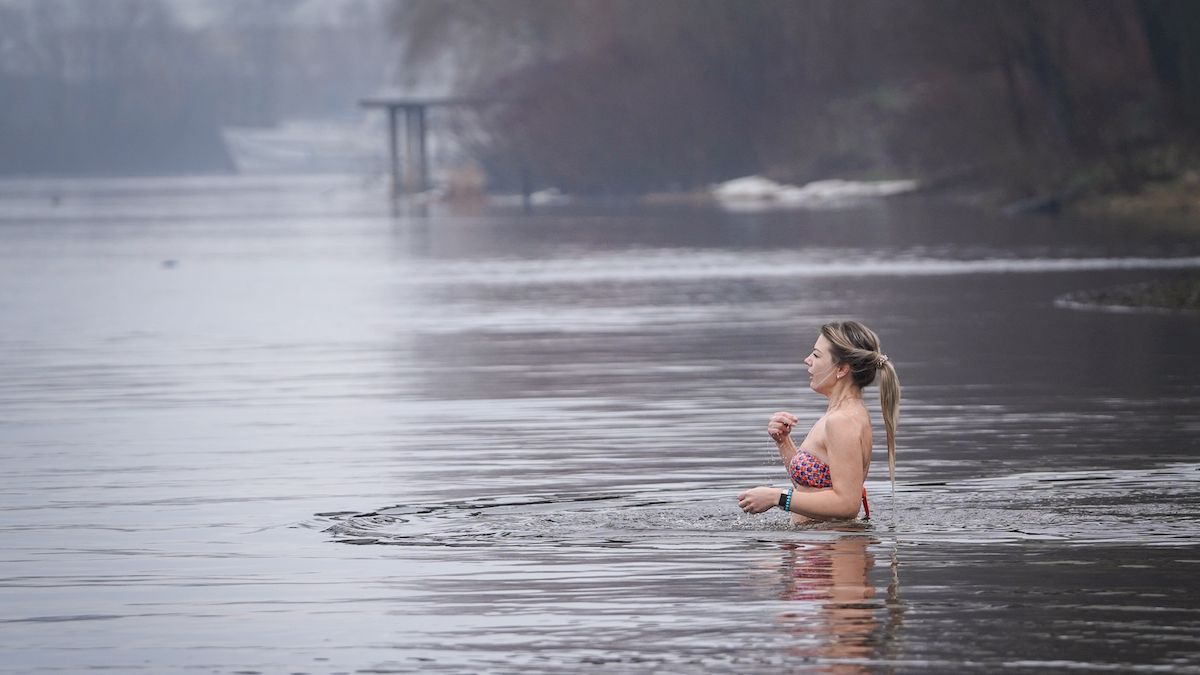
x,y
822,504
845,466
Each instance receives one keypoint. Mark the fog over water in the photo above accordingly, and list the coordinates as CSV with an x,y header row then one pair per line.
x,y
259,424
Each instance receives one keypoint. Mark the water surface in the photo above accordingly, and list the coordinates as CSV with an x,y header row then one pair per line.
x,y
263,425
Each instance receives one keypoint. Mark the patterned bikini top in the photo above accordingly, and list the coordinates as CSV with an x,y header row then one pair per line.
x,y
808,470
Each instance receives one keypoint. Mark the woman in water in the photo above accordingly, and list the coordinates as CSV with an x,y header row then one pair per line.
x,y
830,466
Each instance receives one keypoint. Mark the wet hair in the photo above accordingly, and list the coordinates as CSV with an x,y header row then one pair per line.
x,y
858,347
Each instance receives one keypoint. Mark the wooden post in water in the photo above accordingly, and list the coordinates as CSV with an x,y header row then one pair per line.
x,y
394,151
416,170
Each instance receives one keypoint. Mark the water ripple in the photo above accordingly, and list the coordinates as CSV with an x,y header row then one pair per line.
x,y
1158,506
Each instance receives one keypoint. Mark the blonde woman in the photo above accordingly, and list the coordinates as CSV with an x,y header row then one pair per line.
x,y
829,467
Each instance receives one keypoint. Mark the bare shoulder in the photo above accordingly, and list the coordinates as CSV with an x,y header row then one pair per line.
x,y
841,422
846,428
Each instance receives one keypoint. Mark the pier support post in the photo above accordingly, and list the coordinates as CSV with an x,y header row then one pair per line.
x,y
394,150
416,170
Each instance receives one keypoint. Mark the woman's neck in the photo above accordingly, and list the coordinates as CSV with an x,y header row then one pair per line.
x,y
845,393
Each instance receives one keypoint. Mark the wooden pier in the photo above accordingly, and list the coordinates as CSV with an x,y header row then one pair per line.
x,y
413,176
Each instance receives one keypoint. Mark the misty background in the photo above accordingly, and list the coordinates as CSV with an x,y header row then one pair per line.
x,y
622,97
146,86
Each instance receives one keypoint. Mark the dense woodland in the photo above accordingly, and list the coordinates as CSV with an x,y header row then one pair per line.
x,y
619,96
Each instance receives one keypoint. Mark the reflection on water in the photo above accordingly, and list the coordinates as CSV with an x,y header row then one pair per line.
x,y
531,430
834,618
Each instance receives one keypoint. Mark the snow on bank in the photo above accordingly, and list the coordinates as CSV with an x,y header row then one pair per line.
x,y
756,192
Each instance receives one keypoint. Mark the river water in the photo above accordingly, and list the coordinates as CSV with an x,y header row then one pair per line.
x,y
262,425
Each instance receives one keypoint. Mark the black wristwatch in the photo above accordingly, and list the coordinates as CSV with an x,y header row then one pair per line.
x,y
783,500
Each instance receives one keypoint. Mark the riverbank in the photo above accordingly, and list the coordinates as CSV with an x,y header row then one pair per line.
x,y
1165,200
1172,204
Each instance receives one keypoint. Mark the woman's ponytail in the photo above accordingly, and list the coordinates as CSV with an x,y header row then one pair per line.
x,y
855,344
889,404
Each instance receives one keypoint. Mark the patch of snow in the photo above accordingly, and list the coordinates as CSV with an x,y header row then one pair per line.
x,y
757,192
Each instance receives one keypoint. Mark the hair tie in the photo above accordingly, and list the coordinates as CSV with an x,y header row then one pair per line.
x,y
881,361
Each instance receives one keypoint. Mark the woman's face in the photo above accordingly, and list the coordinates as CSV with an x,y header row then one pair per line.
x,y
821,368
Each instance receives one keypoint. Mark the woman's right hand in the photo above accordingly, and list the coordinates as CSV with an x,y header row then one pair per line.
x,y
781,425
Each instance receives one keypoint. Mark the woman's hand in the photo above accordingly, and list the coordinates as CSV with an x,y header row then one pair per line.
x,y
759,499
781,425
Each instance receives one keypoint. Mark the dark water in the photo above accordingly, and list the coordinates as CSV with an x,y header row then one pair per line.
x,y
261,425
